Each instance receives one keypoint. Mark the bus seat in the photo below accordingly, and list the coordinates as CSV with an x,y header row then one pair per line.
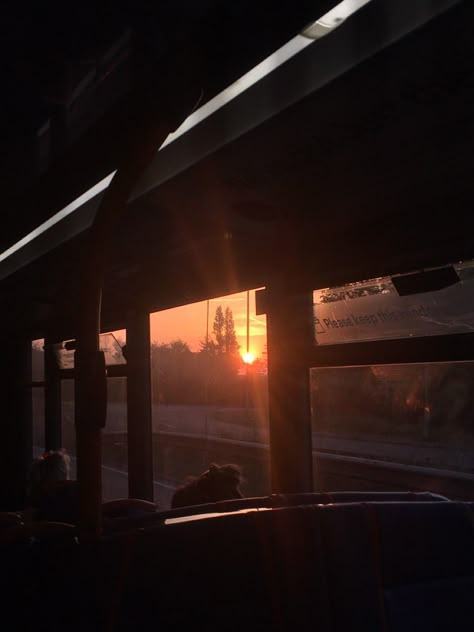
x,y
424,541
250,570
315,498
436,606
60,503
303,498
345,566
335,568
154,518
426,555
38,576
358,497
235,504
294,542
402,566
127,508
351,573
181,572
10,519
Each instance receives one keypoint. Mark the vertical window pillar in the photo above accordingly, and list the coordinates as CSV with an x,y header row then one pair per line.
x,y
52,399
16,447
289,339
139,417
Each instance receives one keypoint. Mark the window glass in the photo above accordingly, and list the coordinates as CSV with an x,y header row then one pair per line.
x,y
37,360
209,391
67,422
114,436
397,307
403,427
114,441
111,344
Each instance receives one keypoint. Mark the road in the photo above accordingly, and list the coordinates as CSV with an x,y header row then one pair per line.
x,y
230,423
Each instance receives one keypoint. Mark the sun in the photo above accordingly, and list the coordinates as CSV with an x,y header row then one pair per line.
x,y
248,357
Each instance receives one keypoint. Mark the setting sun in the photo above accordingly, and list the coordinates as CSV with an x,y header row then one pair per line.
x,y
248,357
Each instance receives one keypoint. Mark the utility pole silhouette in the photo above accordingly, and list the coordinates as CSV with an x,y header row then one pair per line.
x,y
247,377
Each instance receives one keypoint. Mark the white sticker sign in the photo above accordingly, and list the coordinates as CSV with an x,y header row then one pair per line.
x,y
365,311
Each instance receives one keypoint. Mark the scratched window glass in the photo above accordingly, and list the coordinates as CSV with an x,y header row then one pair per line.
x,y
426,303
394,428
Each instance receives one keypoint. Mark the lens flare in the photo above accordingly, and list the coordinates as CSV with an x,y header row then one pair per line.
x,y
248,357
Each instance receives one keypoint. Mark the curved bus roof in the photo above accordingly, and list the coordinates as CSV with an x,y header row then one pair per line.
x,y
350,160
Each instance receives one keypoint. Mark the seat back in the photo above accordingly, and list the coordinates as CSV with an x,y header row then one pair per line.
x,y
426,557
240,571
336,567
154,518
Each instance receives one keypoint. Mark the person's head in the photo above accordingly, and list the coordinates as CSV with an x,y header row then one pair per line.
x,y
219,482
52,466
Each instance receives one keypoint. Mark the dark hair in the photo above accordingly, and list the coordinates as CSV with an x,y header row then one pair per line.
x,y
219,482
51,467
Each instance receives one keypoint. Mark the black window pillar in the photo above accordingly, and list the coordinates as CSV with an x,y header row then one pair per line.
x,y
289,341
139,418
16,447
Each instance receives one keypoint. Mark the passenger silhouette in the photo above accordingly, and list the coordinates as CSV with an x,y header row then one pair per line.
x,y
53,496
49,468
219,482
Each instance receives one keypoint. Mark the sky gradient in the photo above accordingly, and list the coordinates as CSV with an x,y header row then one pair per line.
x,y
188,322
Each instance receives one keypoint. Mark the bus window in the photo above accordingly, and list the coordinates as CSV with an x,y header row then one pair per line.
x,y
111,343
114,438
114,435
114,441
209,392
395,427
429,303
67,422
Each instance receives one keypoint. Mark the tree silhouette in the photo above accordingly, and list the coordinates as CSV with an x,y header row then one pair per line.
x,y
218,329
209,347
223,328
230,339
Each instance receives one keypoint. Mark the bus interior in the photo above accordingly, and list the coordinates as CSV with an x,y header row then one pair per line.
x,y
239,233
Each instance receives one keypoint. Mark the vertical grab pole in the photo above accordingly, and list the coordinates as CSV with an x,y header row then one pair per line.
x,y
155,116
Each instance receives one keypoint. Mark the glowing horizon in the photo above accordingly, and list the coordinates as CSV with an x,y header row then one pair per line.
x,y
249,357
191,323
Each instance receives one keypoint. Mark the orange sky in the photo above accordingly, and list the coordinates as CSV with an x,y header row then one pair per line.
x,y
189,322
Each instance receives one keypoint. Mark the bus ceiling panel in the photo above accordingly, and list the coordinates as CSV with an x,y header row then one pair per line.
x,y
376,26
60,235
387,171
402,243
326,165
314,67
319,158
226,40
